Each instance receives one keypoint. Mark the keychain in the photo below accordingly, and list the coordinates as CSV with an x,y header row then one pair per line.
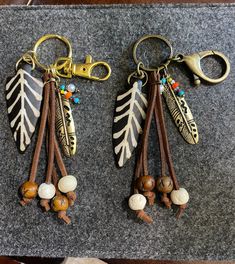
x,y
174,95
29,98
133,116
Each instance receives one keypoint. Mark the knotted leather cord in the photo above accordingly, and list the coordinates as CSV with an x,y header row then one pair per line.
x,y
57,152
159,134
142,161
155,107
59,159
42,127
51,125
163,139
147,125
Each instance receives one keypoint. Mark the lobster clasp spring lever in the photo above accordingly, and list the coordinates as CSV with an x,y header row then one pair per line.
x,y
83,70
193,61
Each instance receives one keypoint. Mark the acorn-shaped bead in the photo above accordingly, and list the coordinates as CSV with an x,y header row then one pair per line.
x,y
29,189
145,183
164,184
60,203
137,202
179,197
46,191
67,184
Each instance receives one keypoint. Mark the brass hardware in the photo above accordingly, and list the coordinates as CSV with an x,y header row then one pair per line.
x,y
65,68
44,38
194,63
65,127
161,66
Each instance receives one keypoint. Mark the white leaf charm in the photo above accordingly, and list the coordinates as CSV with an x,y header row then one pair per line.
x,y
23,96
127,125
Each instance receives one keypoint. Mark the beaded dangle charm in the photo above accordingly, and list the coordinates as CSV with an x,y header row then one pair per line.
x,y
24,96
179,109
159,82
65,128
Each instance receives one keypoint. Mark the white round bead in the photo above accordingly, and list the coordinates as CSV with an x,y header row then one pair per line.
x,y
161,88
179,197
46,191
71,88
67,184
137,202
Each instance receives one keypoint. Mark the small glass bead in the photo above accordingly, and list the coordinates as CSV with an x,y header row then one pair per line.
x,y
163,80
76,100
62,87
169,79
175,85
68,95
71,88
172,82
176,90
161,88
181,93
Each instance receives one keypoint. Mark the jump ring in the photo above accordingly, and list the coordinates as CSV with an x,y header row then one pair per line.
x,y
149,37
44,38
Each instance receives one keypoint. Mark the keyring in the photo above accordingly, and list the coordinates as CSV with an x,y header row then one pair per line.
x,y
44,38
162,65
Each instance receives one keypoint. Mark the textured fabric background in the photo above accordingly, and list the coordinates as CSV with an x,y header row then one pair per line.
x,y
102,225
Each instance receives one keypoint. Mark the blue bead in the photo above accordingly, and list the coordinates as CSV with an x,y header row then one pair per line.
x,y
163,80
181,93
62,87
76,100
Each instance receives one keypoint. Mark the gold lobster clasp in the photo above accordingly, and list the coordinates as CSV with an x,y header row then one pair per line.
x,y
65,68
194,63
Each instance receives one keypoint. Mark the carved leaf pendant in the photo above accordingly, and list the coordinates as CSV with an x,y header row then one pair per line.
x,y
23,97
128,118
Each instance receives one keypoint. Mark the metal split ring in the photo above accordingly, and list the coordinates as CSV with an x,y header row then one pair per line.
x,y
161,65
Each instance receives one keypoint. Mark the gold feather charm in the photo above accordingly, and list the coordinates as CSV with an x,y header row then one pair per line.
x,y
180,111
65,128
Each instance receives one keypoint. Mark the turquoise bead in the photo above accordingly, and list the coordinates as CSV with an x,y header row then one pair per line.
x,y
76,100
163,80
62,87
181,93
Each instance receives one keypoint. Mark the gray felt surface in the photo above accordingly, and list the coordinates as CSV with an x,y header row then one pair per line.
x,y
102,225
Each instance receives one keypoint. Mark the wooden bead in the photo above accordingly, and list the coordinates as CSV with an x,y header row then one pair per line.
x,y
164,184
145,183
29,190
137,202
179,197
46,191
67,184
60,203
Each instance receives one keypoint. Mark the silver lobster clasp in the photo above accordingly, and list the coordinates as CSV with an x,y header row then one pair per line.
x,y
194,63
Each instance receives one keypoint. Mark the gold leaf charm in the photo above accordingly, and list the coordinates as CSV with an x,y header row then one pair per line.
x,y
65,128
182,115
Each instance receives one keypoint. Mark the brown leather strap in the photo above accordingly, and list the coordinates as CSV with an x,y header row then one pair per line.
x,y
51,124
147,124
163,139
160,141
59,159
57,152
42,127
